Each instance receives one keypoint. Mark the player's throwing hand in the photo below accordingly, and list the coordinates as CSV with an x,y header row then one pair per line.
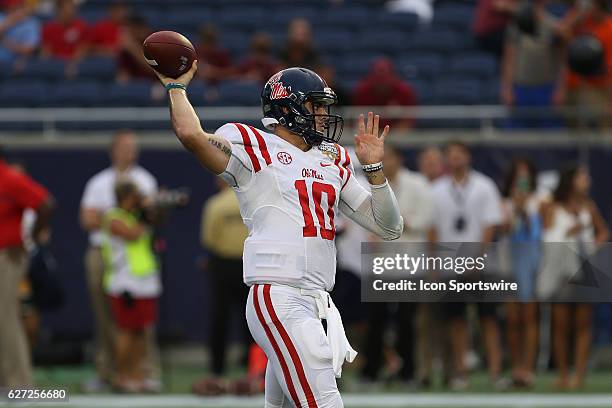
x,y
183,79
369,145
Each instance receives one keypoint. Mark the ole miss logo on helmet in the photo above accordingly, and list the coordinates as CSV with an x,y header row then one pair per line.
x,y
279,90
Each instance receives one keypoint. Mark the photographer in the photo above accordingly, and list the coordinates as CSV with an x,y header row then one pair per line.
x,y
590,87
132,283
98,198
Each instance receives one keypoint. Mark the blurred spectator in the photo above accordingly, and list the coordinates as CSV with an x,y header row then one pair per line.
x,y
215,61
523,226
467,208
106,33
413,193
131,63
383,87
532,62
299,50
40,290
490,21
223,233
573,228
28,311
67,36
98,198
431,334
259,65
431,163
413,196
19,192
47,8
414,199
19,32
422,8
593,92
132,283
328,73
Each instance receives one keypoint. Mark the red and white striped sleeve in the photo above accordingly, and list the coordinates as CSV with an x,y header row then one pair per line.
x,y
250,153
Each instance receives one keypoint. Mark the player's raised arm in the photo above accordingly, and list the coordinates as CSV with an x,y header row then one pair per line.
x,y
212,151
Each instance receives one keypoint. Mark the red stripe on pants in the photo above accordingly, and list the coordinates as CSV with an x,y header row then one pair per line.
x,y
277,350
290,347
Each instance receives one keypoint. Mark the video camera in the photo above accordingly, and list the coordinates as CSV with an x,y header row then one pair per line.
x,y
154,210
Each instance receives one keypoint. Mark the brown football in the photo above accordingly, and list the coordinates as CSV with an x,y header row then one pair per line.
x,y
169,53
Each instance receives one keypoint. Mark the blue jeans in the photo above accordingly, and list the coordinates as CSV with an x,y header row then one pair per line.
x,y
537,97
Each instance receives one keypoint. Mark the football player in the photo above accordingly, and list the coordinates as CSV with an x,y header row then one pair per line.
x,y
291,180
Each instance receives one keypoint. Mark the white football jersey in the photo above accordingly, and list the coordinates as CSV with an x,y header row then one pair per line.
x,y
289,200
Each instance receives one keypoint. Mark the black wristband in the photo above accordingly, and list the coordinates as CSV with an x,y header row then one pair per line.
x,y
370,168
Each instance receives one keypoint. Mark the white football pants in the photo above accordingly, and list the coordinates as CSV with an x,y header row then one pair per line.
x,y
286,326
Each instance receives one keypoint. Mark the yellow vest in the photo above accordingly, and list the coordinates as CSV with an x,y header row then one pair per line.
x,y
138,257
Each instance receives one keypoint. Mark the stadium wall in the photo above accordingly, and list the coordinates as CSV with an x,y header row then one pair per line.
x,y
183,306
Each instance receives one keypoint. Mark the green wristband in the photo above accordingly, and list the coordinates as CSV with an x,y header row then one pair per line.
x,y
175,85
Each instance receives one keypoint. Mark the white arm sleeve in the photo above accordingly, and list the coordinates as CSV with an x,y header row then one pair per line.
x,y
377,210
239,170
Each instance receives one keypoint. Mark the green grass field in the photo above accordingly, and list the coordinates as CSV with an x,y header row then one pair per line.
x,y
352,401
177,382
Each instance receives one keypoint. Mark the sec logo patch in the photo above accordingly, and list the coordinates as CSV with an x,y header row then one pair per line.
x,y
284,157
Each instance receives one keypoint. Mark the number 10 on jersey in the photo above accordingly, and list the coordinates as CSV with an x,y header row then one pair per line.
x,y
310,230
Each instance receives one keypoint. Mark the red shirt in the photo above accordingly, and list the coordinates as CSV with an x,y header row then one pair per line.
x,y
64,40
17,192
488,20
379,91
106,34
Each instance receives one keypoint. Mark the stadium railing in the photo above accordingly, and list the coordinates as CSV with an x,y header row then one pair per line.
x,y
477,123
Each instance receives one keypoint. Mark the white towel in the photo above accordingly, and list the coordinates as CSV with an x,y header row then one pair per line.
x,y
340,346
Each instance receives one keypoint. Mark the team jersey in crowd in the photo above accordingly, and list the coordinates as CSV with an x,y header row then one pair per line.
x,y
289,199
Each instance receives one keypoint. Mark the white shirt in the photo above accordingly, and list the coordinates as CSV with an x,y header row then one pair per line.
x,y
563,255
100,192
476,200
289,199
414,197
422,8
